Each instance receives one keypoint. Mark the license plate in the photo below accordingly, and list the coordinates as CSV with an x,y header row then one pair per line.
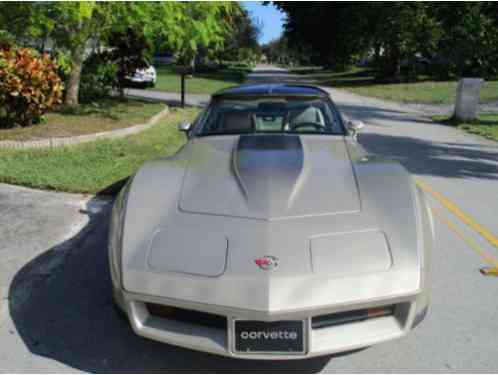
x,y
285,336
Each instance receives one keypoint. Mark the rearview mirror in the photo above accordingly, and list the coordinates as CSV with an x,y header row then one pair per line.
x,y
184,126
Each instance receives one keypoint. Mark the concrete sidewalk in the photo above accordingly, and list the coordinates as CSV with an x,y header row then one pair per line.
x,y
40,232
32,221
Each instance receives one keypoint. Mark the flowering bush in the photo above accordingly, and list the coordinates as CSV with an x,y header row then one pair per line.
x,y
29,86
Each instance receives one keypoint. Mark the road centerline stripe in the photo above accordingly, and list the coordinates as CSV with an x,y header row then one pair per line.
x,y
490,259
453,208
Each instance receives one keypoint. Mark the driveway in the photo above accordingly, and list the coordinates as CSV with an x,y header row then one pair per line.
x,y
40,232
58,315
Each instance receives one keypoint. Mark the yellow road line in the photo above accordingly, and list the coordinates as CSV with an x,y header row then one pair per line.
x,y
490,259
490,237
489,271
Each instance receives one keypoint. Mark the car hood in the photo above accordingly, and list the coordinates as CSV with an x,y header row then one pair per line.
x,y
269,177
196,223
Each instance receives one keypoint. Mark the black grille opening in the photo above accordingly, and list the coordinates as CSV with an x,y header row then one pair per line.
x,y
187,316
328,320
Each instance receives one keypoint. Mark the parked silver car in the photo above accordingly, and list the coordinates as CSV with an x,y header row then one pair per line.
x,y
271,234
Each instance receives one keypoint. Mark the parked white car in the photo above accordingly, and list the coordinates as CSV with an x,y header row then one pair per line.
x,y
146,77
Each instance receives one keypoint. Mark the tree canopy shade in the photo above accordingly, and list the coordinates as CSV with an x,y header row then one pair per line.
x,y
190,26
71,26
242,41
469,37
282,51
464,35
331,29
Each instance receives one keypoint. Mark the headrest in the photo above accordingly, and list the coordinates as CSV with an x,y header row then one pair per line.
x,y
237,121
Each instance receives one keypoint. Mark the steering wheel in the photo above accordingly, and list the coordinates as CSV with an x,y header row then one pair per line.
x,y
318,127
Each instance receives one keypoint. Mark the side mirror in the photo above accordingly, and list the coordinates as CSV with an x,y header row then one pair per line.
x,y
355,126
184,126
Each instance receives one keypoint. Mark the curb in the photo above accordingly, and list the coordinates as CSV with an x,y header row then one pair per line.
x,y
68,141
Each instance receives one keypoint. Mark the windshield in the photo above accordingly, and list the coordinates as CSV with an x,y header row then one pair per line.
x,y
271,115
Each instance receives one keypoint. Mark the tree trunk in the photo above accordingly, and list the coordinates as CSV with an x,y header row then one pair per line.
x,y
73,83
376,59
391,63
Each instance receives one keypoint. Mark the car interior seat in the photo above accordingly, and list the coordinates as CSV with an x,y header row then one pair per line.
x,y
309,114
237,121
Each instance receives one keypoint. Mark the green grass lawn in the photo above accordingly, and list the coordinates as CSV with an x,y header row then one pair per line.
x,y
93,167
429,92
361,81
201,83
486,125
105,115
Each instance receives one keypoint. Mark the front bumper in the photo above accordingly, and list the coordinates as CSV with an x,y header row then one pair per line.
x,y
409,311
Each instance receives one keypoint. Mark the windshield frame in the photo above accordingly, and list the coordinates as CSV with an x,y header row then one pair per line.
x,y
199,125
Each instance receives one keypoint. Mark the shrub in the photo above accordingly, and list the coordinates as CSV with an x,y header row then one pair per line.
x,y
98,77
6,38
442,69
29,86
130,50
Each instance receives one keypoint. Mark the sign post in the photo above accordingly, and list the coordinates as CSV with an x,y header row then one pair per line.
x,y
182,70
467,99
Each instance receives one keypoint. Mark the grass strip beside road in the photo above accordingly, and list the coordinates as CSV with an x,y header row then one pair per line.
x,y
361,81
168,80
426,92
486,125
108,114
93,167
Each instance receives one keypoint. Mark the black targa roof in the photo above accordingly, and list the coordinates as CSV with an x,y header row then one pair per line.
x,y
271,89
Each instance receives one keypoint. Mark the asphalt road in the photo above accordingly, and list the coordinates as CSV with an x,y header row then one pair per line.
x,y
57,312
